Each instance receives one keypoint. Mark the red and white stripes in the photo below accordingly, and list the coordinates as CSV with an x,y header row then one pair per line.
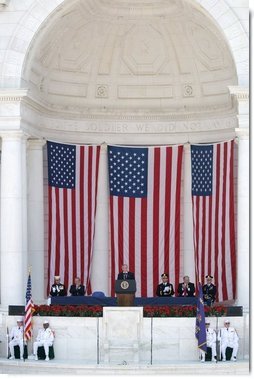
x,y
145,232
214,227
71,221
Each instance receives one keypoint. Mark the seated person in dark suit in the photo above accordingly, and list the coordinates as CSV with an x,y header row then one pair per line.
x,y
125,274
186,289
77,289
58,289
209,291
165,288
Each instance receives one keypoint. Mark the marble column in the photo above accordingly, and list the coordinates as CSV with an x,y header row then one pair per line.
x,y
24,209
240,97
36,217
188,247
12,232
243,209
100,262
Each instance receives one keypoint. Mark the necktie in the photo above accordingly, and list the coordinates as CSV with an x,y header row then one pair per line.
x,y
227,329
185,291
207,330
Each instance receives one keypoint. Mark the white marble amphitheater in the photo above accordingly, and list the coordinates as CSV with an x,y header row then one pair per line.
x,y
133,72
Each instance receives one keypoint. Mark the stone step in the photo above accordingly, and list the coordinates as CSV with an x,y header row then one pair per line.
x,y
78,367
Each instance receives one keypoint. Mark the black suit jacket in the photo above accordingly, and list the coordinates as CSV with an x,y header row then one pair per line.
x,y
130,275
190,290
80,291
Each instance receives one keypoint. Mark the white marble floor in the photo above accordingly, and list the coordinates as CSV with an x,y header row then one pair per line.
x,y
79,368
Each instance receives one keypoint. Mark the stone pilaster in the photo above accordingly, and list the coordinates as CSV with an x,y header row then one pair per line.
x,y
241,96
36,217
13,236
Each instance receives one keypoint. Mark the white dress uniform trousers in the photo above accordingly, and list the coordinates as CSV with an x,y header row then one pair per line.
x,y
210,342
16,339
45,338
229,338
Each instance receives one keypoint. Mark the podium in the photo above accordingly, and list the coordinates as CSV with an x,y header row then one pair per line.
x,y
125,291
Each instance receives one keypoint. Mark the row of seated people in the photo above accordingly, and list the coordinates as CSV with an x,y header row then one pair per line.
x,y
227,337
44,339
185,289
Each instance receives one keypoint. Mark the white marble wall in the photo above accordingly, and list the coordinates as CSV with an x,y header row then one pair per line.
x,y
172,338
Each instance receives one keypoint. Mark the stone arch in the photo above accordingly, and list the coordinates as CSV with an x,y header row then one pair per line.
x,y
30,23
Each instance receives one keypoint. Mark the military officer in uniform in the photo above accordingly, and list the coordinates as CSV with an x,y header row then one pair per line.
x,y
77,289
58,289
17,339
228,338
186,289
45,338
210,342
165,288
209,291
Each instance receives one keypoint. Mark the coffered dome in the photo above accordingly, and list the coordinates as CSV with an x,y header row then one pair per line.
x,y
142,56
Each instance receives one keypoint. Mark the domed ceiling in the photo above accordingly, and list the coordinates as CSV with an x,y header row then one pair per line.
x,y
110,56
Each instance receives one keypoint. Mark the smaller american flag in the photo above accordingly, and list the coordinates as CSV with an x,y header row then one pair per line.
x,y
28,310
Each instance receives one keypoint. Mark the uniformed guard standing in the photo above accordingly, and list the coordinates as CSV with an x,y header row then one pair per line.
x,y
228,338
210,342
58,289
209,291
165,288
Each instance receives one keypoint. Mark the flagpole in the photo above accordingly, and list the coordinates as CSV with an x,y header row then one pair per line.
x,y
29,275
7,338
23,341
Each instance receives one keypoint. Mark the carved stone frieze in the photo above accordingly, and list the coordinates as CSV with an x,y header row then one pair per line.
x,y
45,124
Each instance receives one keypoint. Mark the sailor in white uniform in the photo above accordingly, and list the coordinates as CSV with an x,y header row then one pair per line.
x,y
210,342
45,338
228,338
17,338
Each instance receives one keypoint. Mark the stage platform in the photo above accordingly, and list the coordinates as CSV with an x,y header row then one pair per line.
x,y
112,301
59,367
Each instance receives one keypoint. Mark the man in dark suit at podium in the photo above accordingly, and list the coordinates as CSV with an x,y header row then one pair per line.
x,y
125,274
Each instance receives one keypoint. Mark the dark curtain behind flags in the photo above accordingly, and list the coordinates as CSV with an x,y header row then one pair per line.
x,y
145,194
72,193
213,215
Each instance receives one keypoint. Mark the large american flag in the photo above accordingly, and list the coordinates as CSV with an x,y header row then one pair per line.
x,y
72,191
28,310
213,215
145,194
